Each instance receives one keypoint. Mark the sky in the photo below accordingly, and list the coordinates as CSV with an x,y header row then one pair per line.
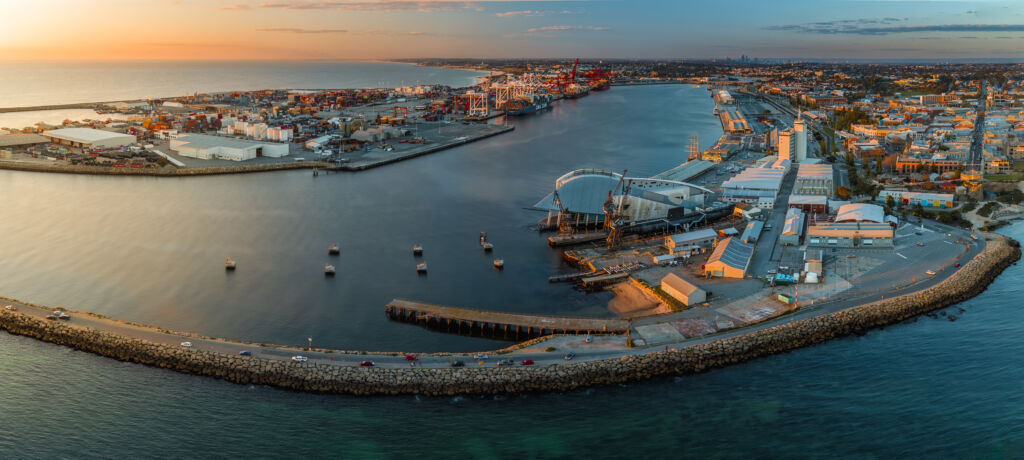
x,y
57,30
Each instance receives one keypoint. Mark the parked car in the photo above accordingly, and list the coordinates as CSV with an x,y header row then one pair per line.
x,y
366,363
457,363
245,353
526,362
186,344
299,358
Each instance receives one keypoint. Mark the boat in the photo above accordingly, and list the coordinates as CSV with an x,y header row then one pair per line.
x,y
526,106
484,243
333,249
229,264
499,263
417,250
328,270
421,267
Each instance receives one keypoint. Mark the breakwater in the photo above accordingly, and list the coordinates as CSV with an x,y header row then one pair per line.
x,y
161,172
970,280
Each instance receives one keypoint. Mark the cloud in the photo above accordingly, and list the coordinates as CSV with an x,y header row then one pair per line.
x,y
564,28
858,28
238,7
519,13
294,30
394,5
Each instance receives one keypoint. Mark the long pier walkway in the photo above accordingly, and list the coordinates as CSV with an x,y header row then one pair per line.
x,y
497,324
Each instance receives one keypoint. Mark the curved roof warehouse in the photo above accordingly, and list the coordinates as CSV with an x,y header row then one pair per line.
x,y
584,191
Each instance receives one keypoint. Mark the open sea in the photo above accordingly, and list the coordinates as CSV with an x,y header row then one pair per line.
x,y
152,249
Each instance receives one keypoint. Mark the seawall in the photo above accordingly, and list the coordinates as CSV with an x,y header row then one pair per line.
x,y
969,281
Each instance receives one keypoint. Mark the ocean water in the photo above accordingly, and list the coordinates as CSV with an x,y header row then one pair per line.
x,y
928,388
30,84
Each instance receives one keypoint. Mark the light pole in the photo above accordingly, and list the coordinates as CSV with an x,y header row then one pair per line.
x,y
310,339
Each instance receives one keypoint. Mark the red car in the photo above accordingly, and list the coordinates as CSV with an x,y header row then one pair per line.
x,y
411,357
526,362
957,265
366,363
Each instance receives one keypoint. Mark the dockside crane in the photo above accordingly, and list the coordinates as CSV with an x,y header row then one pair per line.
x,y
613,214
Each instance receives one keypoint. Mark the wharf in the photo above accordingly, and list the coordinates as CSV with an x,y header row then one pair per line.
x,y
497,324
381,159
576,238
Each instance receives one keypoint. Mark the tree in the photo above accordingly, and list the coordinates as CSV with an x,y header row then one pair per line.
x,y
889,201
849,158
843,192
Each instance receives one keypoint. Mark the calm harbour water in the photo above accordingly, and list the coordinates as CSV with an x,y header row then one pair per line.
x,y
151,250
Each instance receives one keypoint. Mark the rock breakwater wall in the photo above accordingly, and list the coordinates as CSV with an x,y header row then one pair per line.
x,y
970,280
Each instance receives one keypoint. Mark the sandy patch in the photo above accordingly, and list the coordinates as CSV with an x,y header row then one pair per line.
x,y
631,300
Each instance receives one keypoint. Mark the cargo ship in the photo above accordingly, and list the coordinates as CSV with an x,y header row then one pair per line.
x,y
575,91
524,106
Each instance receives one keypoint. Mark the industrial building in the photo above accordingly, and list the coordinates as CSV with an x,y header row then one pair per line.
x,y
800,134
686,171
687,242
682,290
583,193
756,186
857,225
814,179
752,232
927,200
731,259
793,228
22,140
809,204
206,147
88,138
850,235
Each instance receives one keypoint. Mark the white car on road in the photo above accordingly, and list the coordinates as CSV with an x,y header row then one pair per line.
x,y
299,358
186,344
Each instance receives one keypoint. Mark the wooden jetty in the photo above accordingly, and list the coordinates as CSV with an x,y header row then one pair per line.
x,y
509,326
612,270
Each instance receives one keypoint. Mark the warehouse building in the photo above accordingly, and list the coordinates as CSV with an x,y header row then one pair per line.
x,y
685,243
814,179
850,235
682,290
22,140
752,232
88,138
793,228
206,147
731,259
809,204
756,186
860,212
926,200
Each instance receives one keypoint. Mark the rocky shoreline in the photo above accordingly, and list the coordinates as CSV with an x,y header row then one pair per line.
x,y
969,281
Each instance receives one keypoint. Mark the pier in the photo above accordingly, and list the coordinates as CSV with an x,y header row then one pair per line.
x,y
511,326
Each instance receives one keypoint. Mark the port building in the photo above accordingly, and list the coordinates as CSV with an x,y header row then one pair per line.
x,y
809,204
857,225
756,186
685,243
792,228
752,232
205,147
731,259
682,290
88,138
583,193
814,179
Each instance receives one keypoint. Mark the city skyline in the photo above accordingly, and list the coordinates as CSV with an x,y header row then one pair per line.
x,y
367,30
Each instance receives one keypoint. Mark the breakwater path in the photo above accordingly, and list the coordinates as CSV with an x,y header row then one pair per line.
x,y
603,361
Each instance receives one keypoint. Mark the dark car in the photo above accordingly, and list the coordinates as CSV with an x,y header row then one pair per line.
x,y
571,355
53,317
245,353
526,362
505,362
366,363
457,364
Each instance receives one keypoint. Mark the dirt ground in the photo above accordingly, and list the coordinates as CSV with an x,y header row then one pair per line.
x,y
630,300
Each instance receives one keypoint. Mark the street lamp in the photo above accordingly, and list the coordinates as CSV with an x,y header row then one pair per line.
x,y
310,339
